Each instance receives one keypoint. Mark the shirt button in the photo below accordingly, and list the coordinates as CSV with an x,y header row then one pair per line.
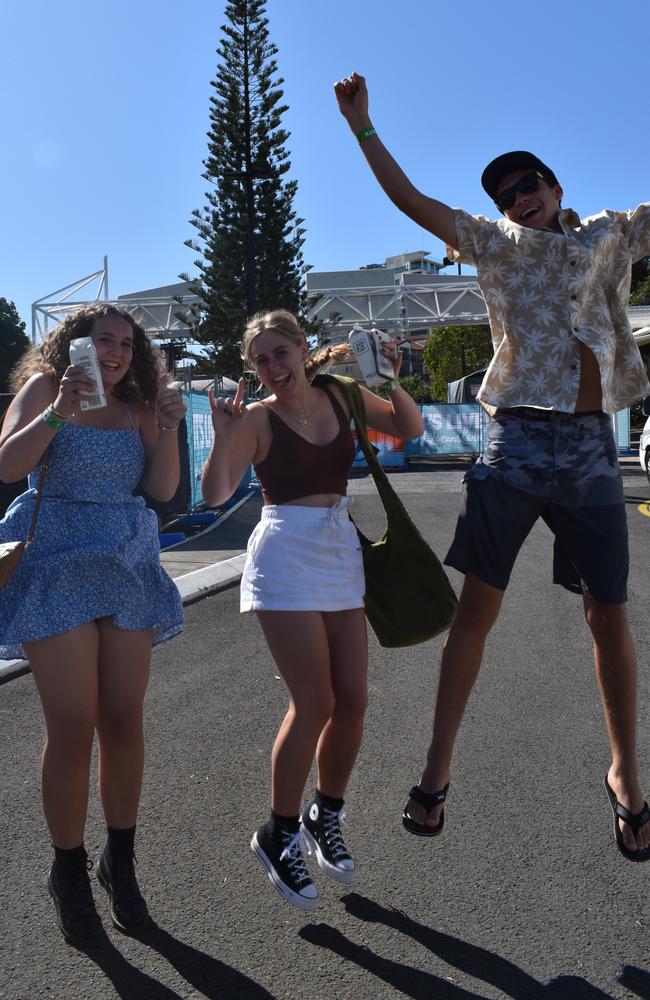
x,y
574,297
576,329
573,367
572,263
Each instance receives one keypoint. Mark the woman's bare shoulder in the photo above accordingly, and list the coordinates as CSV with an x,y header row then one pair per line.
x,y
258,411
38,390
334,388
138,406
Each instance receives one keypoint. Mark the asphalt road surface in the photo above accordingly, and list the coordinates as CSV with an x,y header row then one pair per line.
x,y
523,896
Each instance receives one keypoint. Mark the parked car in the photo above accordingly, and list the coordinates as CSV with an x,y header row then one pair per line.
x,y
644,448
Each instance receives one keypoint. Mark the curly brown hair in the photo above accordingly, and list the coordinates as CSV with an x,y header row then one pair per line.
x,y
284,322
52,356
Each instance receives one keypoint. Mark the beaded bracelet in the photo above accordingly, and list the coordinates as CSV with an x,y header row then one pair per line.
x,y
175,428
52,418
366,133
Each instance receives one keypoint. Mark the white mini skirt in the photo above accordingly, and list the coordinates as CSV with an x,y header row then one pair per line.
x,y
303,559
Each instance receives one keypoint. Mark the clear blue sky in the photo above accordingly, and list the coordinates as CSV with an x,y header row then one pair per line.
x,y
104,114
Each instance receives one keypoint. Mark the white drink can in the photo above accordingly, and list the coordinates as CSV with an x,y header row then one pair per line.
x,y
83,354
375,367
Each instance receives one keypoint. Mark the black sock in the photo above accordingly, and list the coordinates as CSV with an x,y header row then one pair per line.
x,y
289,822
120,842
68,861
326,800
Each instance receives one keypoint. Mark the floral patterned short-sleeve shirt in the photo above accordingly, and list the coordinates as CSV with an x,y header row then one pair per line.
x,y
547,290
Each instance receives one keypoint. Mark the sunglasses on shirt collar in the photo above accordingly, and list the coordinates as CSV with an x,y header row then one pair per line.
x,y
527,184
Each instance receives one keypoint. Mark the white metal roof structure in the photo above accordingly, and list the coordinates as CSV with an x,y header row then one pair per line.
x,y
404,305
405,295
162,312
403,299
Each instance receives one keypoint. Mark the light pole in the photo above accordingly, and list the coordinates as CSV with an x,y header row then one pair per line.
x,y
402,324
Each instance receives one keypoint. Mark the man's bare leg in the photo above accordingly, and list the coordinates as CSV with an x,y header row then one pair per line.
x,y
615,661
478,609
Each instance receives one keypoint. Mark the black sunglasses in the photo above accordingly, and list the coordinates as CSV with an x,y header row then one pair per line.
x,y
527,184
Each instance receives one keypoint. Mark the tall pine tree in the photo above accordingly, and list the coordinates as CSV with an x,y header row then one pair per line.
x,y
249,238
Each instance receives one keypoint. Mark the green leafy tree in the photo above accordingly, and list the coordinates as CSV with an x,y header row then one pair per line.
x,y
641,295
249,237
13,341
417,388
640,277
451,352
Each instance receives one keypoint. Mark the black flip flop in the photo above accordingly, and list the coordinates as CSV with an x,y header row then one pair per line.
x,y
428,801
634,820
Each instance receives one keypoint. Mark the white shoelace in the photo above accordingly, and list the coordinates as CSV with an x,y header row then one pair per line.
x,y
293,853
332,822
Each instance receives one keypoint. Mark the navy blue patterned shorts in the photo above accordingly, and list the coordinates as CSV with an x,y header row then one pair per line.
x,y
562,467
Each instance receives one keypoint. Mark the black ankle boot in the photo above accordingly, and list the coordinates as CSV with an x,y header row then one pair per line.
x,y
69,887
116,873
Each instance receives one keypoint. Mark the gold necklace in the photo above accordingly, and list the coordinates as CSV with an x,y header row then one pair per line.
x,y
302,418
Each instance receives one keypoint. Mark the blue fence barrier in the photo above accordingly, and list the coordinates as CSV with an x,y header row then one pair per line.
x,y
449,429
455,429
200,435
622,429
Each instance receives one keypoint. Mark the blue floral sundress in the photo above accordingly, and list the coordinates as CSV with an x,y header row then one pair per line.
x,y
95,552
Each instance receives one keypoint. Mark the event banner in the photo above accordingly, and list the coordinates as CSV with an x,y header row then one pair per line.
x,y
451,429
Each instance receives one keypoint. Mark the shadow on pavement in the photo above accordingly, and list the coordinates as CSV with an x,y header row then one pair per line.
x,y
213,979
127,981
636,980
470,959
404,978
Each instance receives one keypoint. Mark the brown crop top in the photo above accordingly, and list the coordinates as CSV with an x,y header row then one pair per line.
x,y
294,467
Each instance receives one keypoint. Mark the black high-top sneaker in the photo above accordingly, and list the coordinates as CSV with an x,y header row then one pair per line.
x,y
116,874
76,915
322,829
281,853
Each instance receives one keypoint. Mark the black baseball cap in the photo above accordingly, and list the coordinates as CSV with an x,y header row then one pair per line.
x,y
518,159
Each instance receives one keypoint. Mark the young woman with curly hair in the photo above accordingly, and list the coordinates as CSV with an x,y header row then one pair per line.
x,y
89,597
304,579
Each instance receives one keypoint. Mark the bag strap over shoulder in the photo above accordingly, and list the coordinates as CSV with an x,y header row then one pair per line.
x,y
39,494
352,393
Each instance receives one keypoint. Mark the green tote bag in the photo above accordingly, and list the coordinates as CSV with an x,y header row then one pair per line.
x,y
409,598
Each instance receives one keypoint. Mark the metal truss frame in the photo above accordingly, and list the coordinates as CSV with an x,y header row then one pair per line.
x,y
55,305
398,307
162,317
